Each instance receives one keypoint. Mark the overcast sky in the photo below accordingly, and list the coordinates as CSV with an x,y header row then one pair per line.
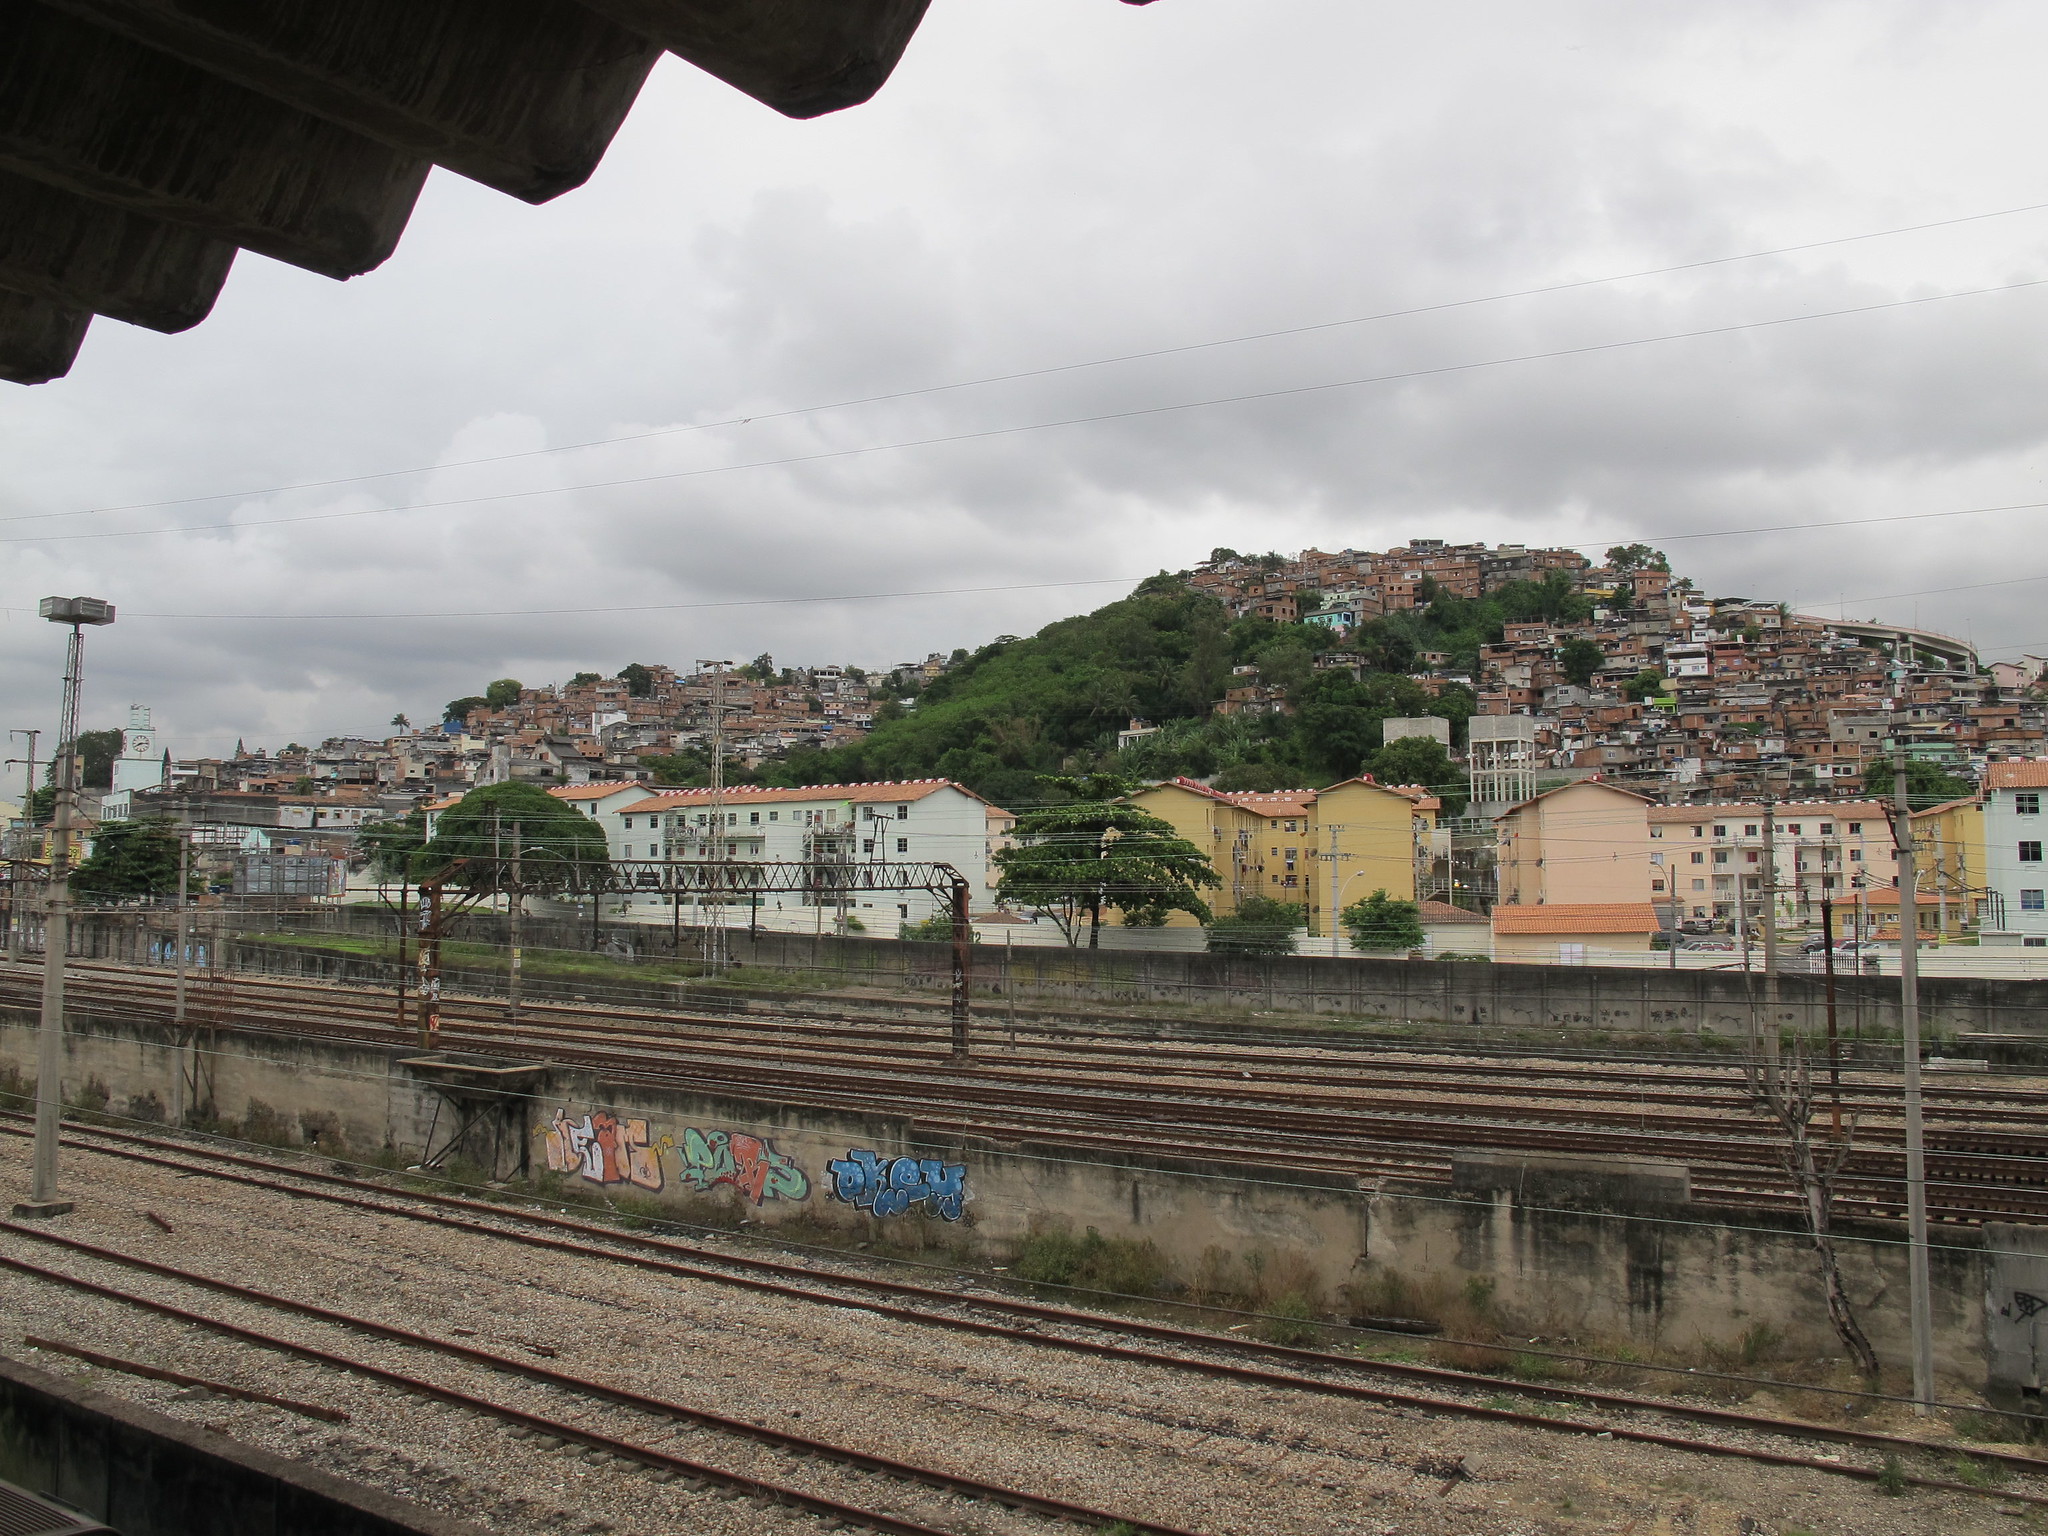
x,y
1047,183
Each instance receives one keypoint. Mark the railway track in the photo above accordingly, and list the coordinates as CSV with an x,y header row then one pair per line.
x,y
1366,1118
1039,1325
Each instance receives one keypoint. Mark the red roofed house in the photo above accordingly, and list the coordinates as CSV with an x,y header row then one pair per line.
x,y
1571,933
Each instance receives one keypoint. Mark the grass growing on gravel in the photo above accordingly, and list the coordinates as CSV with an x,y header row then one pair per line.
x,y
1054,1256
1891,1480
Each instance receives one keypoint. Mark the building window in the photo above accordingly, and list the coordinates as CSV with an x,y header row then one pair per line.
x,y
1657,859
903,845
775,815
2030,853
1656,885
754,818
1855,855
867,845
2034,943
2032,901
1793,829
626,822
1656,831
1720,855
903,813
1699,885
1749,830
1750,857
1698,857
2027,803
1698,831
1827,829
1571,954
1855,829
1720,831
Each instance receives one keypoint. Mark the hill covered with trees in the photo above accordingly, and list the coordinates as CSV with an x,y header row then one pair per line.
x,y
1053,703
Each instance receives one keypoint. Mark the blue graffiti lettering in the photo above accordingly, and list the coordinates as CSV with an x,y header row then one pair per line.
x,y
890,1186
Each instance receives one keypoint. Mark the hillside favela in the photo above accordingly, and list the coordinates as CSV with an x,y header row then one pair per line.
x,y
1078,769
1541,757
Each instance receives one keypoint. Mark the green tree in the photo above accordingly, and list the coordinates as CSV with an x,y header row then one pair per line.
x,y
1260,926
1381,923
401,722
584,679
562,849
1926,783
1629,558
96,753
1579,658
130,858
505,691
638,678
391,843
459,710
1646,684
1098,851
1423,760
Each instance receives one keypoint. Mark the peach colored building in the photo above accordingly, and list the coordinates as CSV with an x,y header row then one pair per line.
x,y
1588,842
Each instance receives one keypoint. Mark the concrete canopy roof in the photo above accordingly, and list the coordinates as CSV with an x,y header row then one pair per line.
x,y
143,143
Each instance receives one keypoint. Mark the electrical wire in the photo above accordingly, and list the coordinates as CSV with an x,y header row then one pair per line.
x,y
1130,414
1059,368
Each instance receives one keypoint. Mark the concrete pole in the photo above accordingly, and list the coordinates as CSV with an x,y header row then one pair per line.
x,y
1920,1296
518,910
1335,893
184,877
1770,894
43,1199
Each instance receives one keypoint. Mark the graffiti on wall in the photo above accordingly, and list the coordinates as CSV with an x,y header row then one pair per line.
x,y
605,1149
747,1163
889,1186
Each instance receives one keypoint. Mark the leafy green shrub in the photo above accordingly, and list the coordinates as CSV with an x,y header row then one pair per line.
x,y
1054,1256
1291,1322
1891,1480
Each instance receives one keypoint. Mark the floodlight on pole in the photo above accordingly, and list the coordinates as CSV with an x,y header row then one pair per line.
x,y
78,612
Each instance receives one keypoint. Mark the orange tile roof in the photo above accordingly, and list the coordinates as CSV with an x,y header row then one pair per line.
x,y
747,794
2032,774
1578,917
1444,912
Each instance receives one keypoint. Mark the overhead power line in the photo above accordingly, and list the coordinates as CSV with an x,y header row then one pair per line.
x,y
1133,413
1019,375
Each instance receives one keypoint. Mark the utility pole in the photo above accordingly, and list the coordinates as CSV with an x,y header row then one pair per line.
x,y
1771,910
1827,939
517,912
19,868
1336,891
1920,1290
714,933
78,612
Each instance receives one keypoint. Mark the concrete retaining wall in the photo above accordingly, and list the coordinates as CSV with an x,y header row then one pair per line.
x,y
1594,1249
146,1474
1628,1258
1456,995
851,1176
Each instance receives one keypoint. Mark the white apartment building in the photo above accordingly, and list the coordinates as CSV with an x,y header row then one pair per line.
x,y
896,821
2015,831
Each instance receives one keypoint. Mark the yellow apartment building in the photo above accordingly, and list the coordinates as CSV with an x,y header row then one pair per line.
x,y
1288,843
1584,844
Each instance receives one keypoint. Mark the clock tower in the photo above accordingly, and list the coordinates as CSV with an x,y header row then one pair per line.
x,y
141,763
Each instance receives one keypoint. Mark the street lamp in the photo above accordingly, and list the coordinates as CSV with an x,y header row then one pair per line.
x,y
78,612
